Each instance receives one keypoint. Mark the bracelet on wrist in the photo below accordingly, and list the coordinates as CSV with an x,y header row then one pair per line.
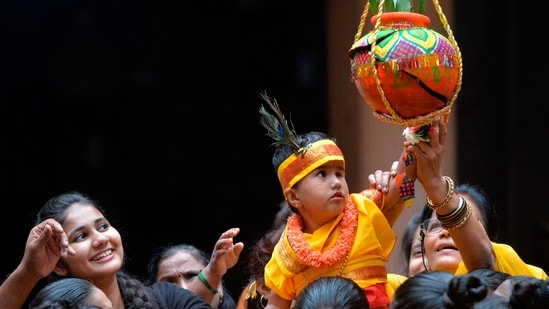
x,y
457,217
406,188
449,195
206,283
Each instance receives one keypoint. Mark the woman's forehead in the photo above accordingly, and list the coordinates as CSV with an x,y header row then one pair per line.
x,y
78,214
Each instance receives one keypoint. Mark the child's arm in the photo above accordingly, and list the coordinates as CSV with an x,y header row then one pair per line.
x,y
393,190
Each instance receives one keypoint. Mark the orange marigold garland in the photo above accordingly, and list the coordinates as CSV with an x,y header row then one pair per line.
x,y
337,253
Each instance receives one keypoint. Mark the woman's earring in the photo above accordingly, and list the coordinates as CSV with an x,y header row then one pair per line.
x,y
263,301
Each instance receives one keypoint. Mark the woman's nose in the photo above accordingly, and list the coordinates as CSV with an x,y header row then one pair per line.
x,y
444,233
100,238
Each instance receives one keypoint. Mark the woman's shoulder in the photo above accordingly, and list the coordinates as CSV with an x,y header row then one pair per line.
x,y
170,296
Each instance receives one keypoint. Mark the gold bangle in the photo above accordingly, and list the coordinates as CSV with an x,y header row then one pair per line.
x,y
449,195
458,217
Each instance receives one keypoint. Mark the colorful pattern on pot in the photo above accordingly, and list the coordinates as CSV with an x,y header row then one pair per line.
x,y
417,67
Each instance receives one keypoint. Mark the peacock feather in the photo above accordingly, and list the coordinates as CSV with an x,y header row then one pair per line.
x,y
276,125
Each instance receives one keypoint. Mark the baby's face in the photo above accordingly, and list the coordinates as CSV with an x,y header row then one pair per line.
x,y
322,195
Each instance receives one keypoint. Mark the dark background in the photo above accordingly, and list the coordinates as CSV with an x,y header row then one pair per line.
x,y
151,108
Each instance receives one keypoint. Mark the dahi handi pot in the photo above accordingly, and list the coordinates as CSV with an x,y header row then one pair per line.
x,y
415,74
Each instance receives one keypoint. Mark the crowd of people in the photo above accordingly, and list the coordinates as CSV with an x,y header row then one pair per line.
x,y
309,258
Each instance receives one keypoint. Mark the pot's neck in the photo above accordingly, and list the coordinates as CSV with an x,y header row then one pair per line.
x,y
402,19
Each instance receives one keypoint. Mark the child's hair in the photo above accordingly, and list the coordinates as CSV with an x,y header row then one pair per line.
x,y
529,292
62,304
68,291
492,278
295,155
283,152
439,289
332,293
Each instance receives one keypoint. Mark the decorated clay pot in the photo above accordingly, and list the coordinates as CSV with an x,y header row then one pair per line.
x,y
415,74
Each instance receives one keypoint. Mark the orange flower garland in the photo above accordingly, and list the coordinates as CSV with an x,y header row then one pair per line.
x,y
339,251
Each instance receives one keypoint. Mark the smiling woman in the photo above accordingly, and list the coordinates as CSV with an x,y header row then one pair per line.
x,y
439,245
73,238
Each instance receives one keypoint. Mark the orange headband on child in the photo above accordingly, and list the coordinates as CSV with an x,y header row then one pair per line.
x,y
299,164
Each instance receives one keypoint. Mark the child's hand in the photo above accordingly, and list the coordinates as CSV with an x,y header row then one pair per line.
x,y
381,180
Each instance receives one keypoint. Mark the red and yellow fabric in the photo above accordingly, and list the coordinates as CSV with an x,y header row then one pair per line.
x,y
286,274
300,164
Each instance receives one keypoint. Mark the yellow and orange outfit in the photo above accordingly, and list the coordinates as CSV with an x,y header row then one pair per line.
x,y
356,245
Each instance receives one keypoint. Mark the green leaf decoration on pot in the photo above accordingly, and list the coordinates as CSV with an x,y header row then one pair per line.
x,y
397,6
